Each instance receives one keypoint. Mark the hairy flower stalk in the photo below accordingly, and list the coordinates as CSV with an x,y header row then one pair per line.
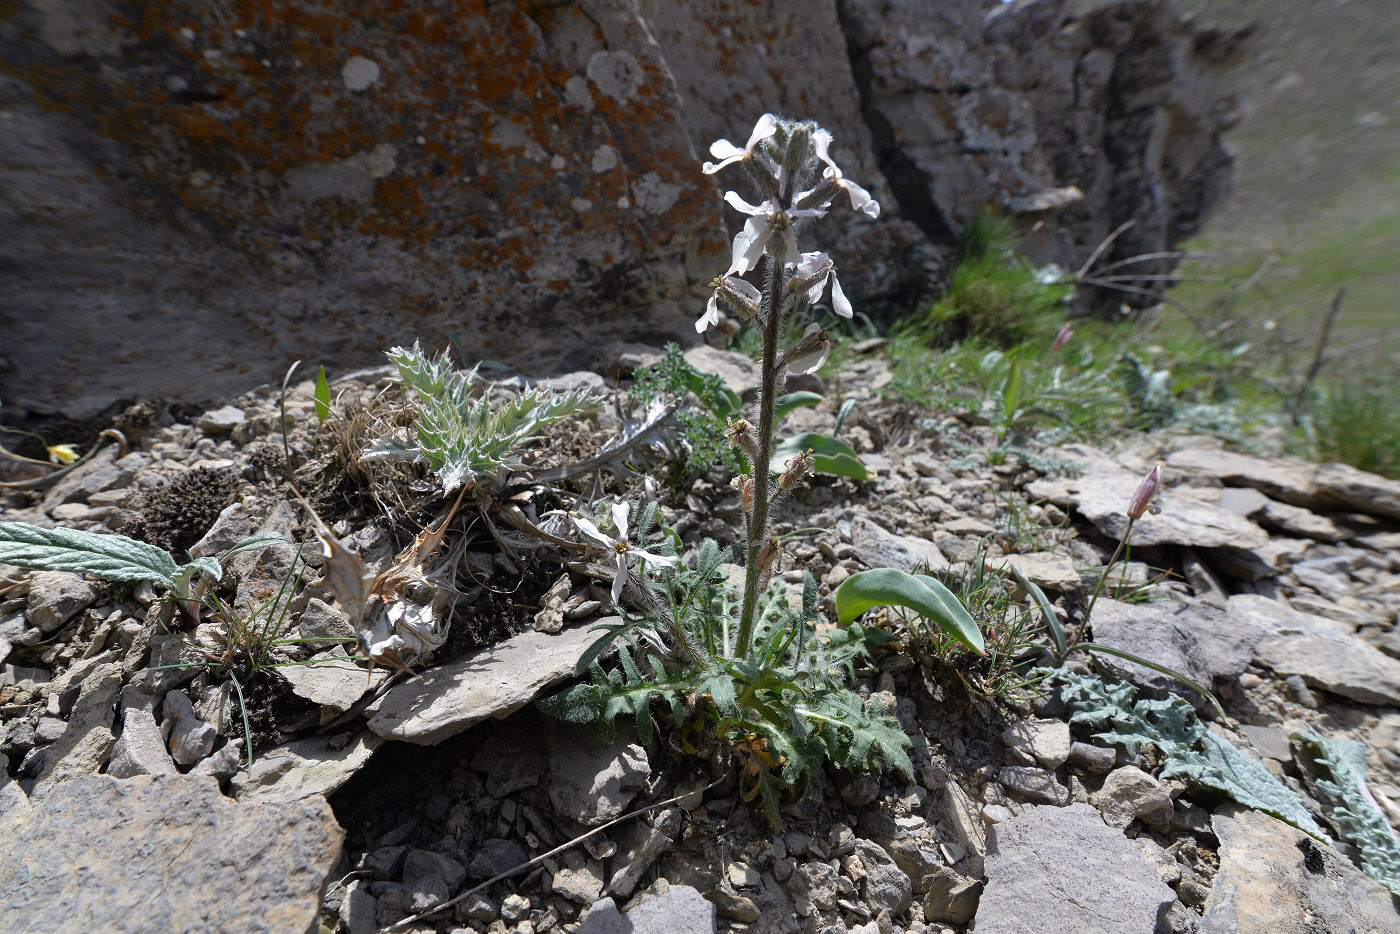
x,y
781,157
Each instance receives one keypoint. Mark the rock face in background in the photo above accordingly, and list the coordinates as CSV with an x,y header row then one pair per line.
x,y
194,194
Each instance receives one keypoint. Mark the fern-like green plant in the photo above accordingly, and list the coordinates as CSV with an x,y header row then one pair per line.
x,y
784,707
1335,772
463,436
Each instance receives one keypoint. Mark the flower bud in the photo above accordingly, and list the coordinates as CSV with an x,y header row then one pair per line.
x,y
825,192
799,147
744,484
1145,493
767,562
62,454
1061,338
740,434
810,352
799,467
742,297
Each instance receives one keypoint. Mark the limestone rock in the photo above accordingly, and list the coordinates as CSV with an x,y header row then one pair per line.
x,y
1063,871
665,909
221,421
1288,480
140,749
165,853
950,897
1324,653
55,597
877,547
1046,741
331,679
1342,485
85,744
591,781
885,886
191,739
493,682
1051,571
1031,784
304,768
1130,794
738,372
1264,883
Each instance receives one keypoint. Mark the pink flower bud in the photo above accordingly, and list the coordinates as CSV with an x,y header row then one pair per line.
x,y
799,467
767,561
740,434
1062,338
1145,493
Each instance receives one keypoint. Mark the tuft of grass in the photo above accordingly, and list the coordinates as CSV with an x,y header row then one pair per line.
x,y
1358,425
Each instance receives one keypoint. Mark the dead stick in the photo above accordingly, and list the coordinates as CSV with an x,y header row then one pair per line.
x,y
1320,351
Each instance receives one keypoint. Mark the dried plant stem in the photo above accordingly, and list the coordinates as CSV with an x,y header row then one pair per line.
x,y
767,393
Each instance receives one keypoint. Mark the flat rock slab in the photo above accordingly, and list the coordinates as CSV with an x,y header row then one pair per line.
x,y
164,853
1285,479
1102,493
877,547
668,909
304,768
1342,485
1201,642
494,682
1264,886
330,679
1048,570
1323,652
1064,871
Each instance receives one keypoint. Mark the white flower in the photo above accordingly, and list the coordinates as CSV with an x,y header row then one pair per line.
x,y
728,154
811,351
620,547
739,295
860,198
810,278
764,221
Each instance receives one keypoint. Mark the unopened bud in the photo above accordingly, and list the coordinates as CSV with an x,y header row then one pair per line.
x,y
767,562
744,484
825,192
810,352
799,148
742,297
740,434
1145,494
1061,338
799,467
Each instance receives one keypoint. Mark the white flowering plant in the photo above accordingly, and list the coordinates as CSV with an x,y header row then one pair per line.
x,y
736,663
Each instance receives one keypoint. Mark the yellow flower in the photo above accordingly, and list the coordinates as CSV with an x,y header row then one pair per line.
x,y
62,454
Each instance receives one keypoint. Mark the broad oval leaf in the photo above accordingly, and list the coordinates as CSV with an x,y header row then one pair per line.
x,y
920,593
111,557
830,456
795,400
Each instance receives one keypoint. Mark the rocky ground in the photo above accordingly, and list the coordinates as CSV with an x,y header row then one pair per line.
x,y
128,800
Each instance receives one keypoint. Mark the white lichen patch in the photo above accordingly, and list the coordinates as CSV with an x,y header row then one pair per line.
x,y
604,158
576,93
359,73
617,74
581,204
653,195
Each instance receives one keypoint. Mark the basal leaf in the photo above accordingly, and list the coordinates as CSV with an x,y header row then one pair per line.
x,y
830,456
922,594
795,400
111,557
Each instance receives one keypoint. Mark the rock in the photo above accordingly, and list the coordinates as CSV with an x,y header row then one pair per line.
x,y
494,857
172,850
1289,480
1298,521
962,818
222,763
191,739
665,909
513,758
1264,883
219,422
950,897
55,597
1199,641
739,373
1036,785
303,768
1093,759
1268,560
877,547
1130,794
331,679
104,471
1270,742
1051,571
420,865
233,525
591,781
1063,871
1325,654
550,618
819,883
493,682
1046,741
640,845
885,886
358,911
85,744
320,620
1102,493
581,886
140,750
1368,493
261,573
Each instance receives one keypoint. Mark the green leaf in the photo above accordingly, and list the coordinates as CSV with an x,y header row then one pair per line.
x,y
846,408
111,557
322,395
1335,772
720,399
795,400
830,456
1047,612
920,593
1170,673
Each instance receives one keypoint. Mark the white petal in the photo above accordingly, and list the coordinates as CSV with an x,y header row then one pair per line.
x,y
789,246
588,528
710,318
744,288
839,302
749,244
724,149
732,199
821,142
619,579
619,511
861,200
807,212
650,558
766,126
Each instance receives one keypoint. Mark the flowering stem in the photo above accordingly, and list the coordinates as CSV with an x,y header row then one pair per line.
x,y
767,393
1108,568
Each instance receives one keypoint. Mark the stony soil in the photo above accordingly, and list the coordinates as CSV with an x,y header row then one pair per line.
x,y
1277,583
